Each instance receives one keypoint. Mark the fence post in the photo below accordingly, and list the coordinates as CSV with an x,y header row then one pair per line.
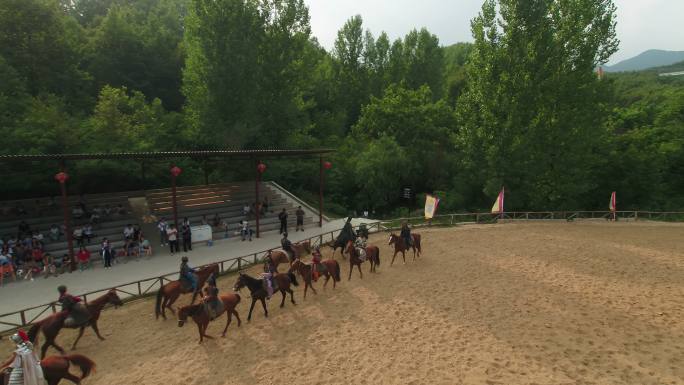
x,y
477,218
139,289
255,258
222,268
452,220
23,318
239,264
636,215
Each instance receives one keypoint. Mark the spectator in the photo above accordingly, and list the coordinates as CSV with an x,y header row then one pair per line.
x,y
107,211
38,236
224,226
77,212
24,229
266,204
94,217
145,246
5,257
172,236
300,219
37,254
187,235
65,263
365,213
48,265
83,259
88,232
245,210
133,250
137,233
78,235
106,252
163,226
245,231
216,222
128,233
282,216
29,268
36,243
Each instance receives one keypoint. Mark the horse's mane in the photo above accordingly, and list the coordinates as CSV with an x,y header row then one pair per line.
x,y
190,309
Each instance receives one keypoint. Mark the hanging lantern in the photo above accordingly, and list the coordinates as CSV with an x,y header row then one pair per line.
x,y
327,165
261,168
61,177
175,171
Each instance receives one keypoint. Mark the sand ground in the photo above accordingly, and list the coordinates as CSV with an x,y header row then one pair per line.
x,y
527,303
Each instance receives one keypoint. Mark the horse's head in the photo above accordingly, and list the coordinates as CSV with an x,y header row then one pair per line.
x,y
296,264
183,315
392,238
240,282
113,298
306,245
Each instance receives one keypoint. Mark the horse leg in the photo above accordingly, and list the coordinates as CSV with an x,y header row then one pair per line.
x,y
205,325
263,303
97,330
351,268
53,343
394,256
80,334
44,348
237,316
306,286
172,299
360,272
282,303
292,295
403,256
199,329
251,307
230,318
70,377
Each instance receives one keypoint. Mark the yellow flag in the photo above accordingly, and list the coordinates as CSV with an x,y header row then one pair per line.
x,y
431,203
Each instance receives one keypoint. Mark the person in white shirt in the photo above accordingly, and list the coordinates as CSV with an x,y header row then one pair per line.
x,y
245,230
163,226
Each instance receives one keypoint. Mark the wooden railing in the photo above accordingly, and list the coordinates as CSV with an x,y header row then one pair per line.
x,y
138,289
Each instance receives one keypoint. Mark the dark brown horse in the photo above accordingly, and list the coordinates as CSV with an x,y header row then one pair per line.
x,y
279,256
199,314
258,291
56,368
169,293
400,246
332,270
51,325
276,257
372,255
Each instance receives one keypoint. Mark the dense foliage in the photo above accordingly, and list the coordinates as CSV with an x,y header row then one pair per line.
x,y
521,107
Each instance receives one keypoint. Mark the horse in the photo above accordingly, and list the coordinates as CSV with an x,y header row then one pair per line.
x,y
56,368
332,270
51,325
169,293
372,254
258,291
279,256
400,246
199,314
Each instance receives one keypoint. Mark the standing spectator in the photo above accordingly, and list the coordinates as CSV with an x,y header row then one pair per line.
x,y
106,251
128,233
137,233
187,235
245,231
224,226
163,226
172,236
54,233
88,232
78,235
300,219
282,216
83,257
245,210
145,246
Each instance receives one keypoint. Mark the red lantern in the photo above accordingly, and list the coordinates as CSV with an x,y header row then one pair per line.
x,y
327,165
61,177
175,171
261,168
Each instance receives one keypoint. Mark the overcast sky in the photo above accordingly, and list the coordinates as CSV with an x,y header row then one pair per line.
x,y
642,24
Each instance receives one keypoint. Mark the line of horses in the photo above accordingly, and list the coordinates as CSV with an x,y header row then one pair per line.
x,y
56,368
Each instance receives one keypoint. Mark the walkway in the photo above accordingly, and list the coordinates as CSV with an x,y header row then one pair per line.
x,y
20,295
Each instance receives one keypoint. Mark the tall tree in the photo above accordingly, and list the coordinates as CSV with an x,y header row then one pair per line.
x,y
532,115
350,67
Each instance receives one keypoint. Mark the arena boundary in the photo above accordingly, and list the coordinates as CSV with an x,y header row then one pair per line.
x,y
146,287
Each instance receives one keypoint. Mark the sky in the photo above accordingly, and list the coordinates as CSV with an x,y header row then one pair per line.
x,y
642,24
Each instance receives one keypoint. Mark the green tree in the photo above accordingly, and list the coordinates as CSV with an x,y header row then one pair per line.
x,y
533,116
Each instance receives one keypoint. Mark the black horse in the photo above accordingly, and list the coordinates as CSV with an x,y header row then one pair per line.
x,y
258,291
346,234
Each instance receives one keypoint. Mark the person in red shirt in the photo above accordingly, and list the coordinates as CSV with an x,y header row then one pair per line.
x,y
83,259
77,313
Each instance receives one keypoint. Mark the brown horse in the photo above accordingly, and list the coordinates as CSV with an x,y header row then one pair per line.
x,y
279,256
51,325
201,317
400,246
372,255
258,291
169,293
332,270
56,368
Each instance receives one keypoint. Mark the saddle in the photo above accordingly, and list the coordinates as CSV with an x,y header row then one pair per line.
x,y
362,253
78,316
214,308
186,285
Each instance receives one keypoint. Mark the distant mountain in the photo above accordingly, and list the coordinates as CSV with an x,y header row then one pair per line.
x,y
649,59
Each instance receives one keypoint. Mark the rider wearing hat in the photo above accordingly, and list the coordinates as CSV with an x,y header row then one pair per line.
x,y
211,294
187,274
77,312
287,246
406,234
316,262
24,364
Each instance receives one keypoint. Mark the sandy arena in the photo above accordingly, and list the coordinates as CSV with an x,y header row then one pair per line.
x,y
527,303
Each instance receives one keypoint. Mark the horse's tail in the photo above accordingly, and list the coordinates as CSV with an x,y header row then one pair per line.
x,y
157,306
33,331
293,278
336,273
84,363
238,298
377,256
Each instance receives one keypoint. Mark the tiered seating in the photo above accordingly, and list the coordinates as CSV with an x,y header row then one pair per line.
x,y
227,200
42,215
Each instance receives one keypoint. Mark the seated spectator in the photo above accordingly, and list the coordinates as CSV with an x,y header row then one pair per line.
x,y
48,265
132,249
83,257
216,221
145,247
5,257
137,233
6,267
245,210
66,263
78,235
77,212
24,229
37,235
107,211
128,233
88,232
94,217
35,243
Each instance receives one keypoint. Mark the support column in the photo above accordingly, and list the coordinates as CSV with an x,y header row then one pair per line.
x,y
256,197
175,171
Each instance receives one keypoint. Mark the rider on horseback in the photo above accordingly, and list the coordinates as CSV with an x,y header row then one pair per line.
x,y
287,246
187,274
267,275
211,299
406,234
77,314
360,245
24,365
316,262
